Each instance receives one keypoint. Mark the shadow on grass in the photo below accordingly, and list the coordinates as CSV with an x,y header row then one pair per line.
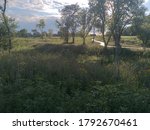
x,y
61,48
75,50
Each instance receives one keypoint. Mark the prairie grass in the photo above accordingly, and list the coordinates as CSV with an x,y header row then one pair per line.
x,y
48,76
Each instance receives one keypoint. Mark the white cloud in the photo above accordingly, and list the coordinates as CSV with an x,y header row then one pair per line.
x,y
39,8
146,1
75,1
30,11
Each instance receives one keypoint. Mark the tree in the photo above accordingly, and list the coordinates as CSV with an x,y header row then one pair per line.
x,y
86,22
35,33
113,17
5,26
22,33
74,20
3,38
123,12
63,32
41,26
100,9
50,33
143,30
128,31
68,23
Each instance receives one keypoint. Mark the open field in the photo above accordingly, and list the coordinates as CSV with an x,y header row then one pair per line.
x,y
49,76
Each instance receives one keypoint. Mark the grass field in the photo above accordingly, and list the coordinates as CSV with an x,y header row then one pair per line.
x,y
49,76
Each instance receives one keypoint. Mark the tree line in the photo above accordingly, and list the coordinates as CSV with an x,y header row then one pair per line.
x,y
111,17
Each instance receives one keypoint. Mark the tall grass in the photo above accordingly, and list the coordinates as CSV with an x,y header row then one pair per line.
x,y
47,76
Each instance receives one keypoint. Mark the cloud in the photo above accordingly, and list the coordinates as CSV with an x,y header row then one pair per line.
x,y
24,9
147,4
28,12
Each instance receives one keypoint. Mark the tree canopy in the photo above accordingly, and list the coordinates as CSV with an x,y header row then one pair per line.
x,y
7,26
41,26
69,21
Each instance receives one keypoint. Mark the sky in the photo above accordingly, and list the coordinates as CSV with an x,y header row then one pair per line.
x,y
147,4
75,1
28,12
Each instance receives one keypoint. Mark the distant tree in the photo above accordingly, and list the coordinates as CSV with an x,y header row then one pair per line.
x,y
64,33
45,34
143,30
41,26
22,33
50,33
86,22
35,33
68,23
73,20
100,9
128,31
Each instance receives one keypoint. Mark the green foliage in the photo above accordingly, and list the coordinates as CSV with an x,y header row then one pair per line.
x,y
35,33
69,22
4,37
85,22
43,77
118,98
64,33
130,40
41,26
143,68
144,31
22,33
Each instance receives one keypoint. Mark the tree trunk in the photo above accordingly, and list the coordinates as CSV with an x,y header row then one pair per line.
x,y
7,25
10,44
117,57
67,40
42,34
105,50
8,31
83,40
73,39
105,47
66,37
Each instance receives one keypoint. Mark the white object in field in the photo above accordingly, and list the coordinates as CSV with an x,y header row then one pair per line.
x,y
101,43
